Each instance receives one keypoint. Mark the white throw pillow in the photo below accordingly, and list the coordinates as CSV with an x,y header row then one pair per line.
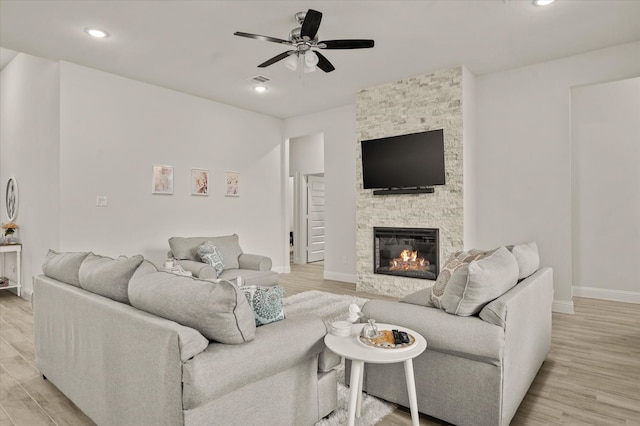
x,y
487,279
528,258
455,261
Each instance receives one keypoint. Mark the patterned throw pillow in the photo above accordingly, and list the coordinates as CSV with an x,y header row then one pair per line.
x,y
455,261
210,254
266,303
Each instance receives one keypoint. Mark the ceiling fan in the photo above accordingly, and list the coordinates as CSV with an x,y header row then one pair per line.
x,y
305,44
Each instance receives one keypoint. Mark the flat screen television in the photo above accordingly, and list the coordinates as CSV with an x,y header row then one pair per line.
x,y
415,160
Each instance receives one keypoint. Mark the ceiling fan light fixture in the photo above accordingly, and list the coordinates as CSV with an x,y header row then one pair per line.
x,y
311,59
96,32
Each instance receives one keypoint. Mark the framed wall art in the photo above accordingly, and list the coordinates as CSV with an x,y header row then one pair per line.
x,y
232,180
162,180
200,182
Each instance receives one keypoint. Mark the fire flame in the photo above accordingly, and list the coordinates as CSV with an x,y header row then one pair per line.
x,y
409,260
409,256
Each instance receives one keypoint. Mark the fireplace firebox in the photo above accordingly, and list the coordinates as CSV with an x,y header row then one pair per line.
x,y
406,252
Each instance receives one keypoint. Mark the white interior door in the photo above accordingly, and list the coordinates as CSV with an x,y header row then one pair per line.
x,y
315,218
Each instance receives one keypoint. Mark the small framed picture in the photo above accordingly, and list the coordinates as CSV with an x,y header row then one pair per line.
x,y
200,182
232,180
162,180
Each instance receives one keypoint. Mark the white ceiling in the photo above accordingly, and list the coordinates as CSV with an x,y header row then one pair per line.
x,y
189,46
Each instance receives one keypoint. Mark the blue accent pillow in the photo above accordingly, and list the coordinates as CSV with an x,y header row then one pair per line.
x,y
210,254
266,303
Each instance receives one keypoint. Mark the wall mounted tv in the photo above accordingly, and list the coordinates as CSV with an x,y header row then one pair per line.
x,y
404,164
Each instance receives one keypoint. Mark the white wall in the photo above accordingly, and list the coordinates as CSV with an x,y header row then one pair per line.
x,y
338,127
605,132
112,130
524,153
306,154
469,154
29,136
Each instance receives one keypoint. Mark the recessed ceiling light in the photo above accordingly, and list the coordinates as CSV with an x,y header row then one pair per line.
x,y
260,89
97,33
543,2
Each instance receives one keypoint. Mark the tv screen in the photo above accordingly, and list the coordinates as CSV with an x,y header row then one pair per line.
x,y
406,161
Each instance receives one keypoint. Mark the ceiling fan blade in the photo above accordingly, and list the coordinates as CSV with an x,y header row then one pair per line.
x,y
276,58
311,24
323,63
345,44
263,38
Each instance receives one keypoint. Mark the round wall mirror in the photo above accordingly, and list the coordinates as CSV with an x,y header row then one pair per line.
x,y
11,199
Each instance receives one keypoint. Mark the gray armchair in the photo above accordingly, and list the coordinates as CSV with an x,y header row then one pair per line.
x,y
254,269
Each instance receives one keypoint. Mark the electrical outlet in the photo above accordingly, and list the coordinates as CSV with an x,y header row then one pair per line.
x,y
13,268
101,201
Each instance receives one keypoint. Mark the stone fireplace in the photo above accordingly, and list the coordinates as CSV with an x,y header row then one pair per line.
x,y
425,102
406,252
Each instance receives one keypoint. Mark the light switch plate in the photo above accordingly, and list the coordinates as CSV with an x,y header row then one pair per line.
x,y
101,201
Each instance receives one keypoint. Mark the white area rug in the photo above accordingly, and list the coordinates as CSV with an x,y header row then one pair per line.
x,y
333,307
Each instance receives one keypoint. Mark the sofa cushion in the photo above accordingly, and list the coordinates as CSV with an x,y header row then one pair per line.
x,y
487,279
495,312
108,277
527,257
420,298
466,337
250,277
64,267
209,254
266,303
187,248
222,369
454,262
219,311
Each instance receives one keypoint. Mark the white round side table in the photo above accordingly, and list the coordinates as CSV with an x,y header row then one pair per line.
x,y
350,348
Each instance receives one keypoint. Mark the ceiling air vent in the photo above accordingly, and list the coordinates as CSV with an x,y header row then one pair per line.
x,y
260,79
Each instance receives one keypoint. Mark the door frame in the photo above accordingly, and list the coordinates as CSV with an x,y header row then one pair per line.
x,y
300,219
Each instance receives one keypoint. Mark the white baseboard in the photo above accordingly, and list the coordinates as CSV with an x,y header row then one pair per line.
x,y
26,294
562,306
282,269
339,276
606,294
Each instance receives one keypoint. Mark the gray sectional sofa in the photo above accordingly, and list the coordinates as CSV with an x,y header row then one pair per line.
x,y
254,269
132,345
477,368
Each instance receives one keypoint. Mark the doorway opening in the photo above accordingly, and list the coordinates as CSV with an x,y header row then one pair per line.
x,y
306,198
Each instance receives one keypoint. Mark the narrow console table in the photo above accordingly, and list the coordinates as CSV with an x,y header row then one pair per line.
x,y
17,249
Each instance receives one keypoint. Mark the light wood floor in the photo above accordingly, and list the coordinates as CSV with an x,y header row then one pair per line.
x,y
591,376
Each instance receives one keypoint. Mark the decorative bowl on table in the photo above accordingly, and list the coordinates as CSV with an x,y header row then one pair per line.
x,y
385,341
341,328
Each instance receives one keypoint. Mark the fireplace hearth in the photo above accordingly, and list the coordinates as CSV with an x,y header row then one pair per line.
x,y
406,252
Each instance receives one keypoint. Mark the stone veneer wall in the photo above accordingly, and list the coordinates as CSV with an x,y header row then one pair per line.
x,y
426,102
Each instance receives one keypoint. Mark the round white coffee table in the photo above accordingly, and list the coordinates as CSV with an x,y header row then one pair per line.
x,y
359,353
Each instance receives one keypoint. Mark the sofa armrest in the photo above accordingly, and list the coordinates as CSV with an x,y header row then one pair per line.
x,y
254,262
198,269
79,337
527,336
277,347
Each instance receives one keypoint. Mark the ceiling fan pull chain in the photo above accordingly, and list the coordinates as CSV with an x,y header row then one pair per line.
x,y
301,68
